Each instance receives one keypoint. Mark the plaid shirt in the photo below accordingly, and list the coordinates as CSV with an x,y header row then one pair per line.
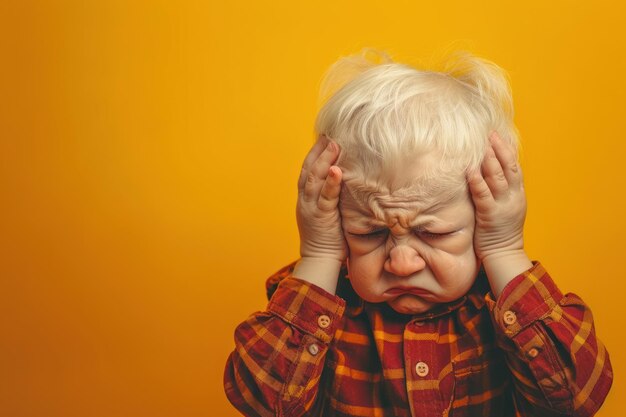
x,y
533,352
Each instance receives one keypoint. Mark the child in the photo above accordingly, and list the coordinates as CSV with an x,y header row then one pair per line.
x,y
414,295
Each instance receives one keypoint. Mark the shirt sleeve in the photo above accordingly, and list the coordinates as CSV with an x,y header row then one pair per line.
x,y
279,353
558,364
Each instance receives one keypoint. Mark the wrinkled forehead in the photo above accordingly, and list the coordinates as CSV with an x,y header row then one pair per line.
x,y
423,181
370,196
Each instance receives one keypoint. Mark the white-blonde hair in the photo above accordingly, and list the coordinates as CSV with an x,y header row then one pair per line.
x,y
383,114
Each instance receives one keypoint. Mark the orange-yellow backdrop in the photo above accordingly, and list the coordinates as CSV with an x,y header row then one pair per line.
x,y
148,156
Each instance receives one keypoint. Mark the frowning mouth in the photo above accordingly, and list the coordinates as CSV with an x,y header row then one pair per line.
x,y
406,290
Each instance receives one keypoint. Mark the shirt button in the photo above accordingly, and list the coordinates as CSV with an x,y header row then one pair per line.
x,y
323,321
509,317
314,349
533,352
421,368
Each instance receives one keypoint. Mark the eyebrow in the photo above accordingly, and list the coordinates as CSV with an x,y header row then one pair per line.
x,y
369,217
372,223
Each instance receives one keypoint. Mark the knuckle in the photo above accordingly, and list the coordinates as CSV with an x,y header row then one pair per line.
x,y
308,194
479,187
301,180
326,204
323,199
310,178
484,195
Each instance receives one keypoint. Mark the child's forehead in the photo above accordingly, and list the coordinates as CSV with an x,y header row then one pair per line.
x,y
367,195
422,181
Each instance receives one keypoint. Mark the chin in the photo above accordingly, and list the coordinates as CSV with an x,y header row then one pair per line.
x,y
410,304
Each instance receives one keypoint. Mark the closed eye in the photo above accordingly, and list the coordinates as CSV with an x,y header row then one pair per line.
x,y
374,234
432,235
380,233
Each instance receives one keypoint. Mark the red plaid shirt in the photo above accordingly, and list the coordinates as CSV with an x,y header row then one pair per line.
x,y
533,352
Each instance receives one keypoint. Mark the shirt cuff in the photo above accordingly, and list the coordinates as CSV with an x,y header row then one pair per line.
x,y
307,307
527,298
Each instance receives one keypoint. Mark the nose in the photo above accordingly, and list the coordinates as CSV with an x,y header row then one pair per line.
x,y
403,261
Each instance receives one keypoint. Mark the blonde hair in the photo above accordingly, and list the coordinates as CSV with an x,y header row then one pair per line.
x,y
383,114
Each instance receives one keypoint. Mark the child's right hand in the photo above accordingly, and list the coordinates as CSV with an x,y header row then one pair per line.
x,y
322,245
317,211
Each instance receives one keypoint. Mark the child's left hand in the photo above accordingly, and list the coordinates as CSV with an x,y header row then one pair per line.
x,y
500,202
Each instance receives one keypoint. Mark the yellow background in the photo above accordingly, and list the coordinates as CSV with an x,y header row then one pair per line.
x,y
148,158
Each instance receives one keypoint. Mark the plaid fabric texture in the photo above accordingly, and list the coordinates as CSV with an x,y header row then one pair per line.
x,y
533,352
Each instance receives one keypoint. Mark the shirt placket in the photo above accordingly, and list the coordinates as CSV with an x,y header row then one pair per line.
x,y
422,365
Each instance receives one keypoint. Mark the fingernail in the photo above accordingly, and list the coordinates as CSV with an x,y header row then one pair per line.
x,y
331,172
494,136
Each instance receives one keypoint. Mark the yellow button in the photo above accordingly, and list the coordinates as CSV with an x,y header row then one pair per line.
x,y
533,352
314,349
421,368
509,317
323,321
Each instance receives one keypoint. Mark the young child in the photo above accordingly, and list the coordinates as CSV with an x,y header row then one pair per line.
x,y
414,295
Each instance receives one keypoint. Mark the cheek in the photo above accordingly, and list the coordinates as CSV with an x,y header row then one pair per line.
x,y
461,244
457,273
467,266
455,254
364,273
456,260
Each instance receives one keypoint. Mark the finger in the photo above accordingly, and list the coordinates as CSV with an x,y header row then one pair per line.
x,y
314,153
319,172
480,191
325,160
329,196
493,174
508,160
